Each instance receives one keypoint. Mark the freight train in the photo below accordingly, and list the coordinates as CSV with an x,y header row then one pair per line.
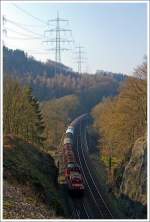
x,y
72,171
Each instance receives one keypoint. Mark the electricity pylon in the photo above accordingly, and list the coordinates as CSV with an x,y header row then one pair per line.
x,y
80,59
57,40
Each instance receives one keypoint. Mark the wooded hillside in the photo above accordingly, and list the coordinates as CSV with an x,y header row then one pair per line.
x,y
122,119
48,84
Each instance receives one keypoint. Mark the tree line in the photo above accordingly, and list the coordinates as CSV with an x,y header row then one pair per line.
x,y
48,83
121,120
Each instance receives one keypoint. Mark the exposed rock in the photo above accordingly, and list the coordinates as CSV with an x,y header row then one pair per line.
x,y
135,174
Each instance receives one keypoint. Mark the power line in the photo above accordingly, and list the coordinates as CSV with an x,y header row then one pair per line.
x,y
36,51
25,29
28,13
25,36
24,25
20,33
14,37
58,40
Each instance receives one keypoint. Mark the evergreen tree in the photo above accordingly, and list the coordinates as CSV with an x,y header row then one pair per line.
x,y
22,115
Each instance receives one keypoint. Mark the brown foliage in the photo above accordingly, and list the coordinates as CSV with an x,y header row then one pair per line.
x,y
123,119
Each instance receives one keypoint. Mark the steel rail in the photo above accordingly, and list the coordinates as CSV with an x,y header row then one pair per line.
x,y
75,213
87,181
93,179
85,210
78,213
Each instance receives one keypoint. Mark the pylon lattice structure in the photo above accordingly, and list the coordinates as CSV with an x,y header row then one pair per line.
x,y
80,59
58,40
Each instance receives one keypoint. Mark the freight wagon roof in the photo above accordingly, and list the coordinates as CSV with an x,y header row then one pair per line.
x,y
67,140
74,122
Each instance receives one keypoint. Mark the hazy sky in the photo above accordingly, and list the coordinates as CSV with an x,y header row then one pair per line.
x,y
114,35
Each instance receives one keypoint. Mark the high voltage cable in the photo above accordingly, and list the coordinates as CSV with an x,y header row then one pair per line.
x,y
41,53
57,30
14,37
27,30
28,13
22,24
20,33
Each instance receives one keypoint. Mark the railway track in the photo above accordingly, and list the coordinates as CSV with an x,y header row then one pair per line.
x,y
89,192
84,147
80,210
92,205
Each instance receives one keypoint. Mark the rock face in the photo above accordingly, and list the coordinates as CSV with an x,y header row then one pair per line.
x,y
135,174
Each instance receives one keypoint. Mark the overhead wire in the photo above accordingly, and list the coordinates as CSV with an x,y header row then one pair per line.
x,y
25,29
41,53
14,37
29,37
21,26
20,33
24,25
28,13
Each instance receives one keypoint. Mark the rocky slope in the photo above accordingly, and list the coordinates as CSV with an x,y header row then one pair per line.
x,y
134,179
135,174
30,182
